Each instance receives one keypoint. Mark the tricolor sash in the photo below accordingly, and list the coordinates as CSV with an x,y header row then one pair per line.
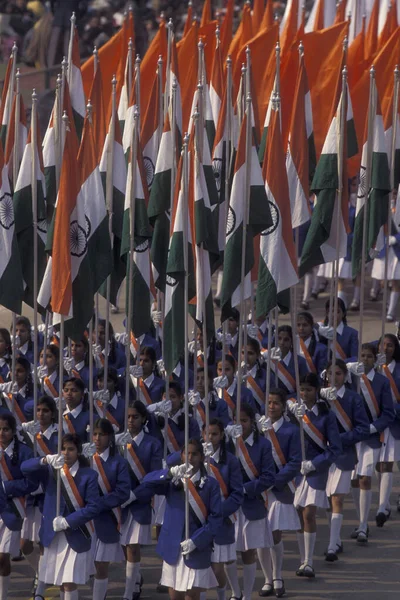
x,y
144,392
201,412
313,433
68,423
106,488
340,353
255,389
17,503
284,375
135,346
15,409
134,463
72,497
196,503
42,447
55,341
248,465
369,397
214,472
75,373
260,340
105,414
277,454
341,415
49,388
200,360
305,353
393,386
229,400
172,444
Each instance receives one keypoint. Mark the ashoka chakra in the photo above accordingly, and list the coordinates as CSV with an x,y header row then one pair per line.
x,y
149,170
88,226
78,241
362,188
217,170
171,280
231,221
6,211
142,247
275,219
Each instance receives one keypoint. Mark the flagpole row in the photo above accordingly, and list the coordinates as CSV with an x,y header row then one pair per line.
x,y
95,60
138,61
186,315
159,134
35,260
16,129
57,129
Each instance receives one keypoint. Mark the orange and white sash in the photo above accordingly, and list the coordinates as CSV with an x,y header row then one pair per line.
x,y
55,341
229,400
49,388
172,444
284,375
15,409
341,415
340,353
369,397
214,472
41,445
196,503
143,391
393,386
105,414
260,340
68,423
313,433
18,503
134,463
73,496
248,465
278,456
135,346
201,412
75,373
255,389
305,353
200,360
105,487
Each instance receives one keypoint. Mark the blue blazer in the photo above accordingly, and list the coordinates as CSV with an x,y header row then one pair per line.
x,y
19,487
348,341
84,375
80,424
116,469
232,476
245,396
86,482
319,357
353,406
173,529
38,499
381,388
56,384
5,372
303,370
118,413
218,409
288,436
394,426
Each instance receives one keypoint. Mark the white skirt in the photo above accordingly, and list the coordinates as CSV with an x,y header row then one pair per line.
x,y
133,532
378,267
367,459
339,482
345,271
181,578
60,564
307,496
9,540
390,449
159,510
110,553
31,524
252,534
282,517
223,554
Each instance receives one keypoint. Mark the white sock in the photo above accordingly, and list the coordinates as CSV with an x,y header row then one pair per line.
x,y
33,558
249,577
232,576
336,525
71,595
385,489
309,543
221,593
393,299
203,595
308,280
264,558
100,588
132,569
343,296
277,561
365,505
40,588
355,492
4,583
357,293
300,541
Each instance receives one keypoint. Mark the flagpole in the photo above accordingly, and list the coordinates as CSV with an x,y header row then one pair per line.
x,y
70,48
137,84
95,60
389,202
159,135
16,129
129,67
170,27
10,95
35,260
268,377
186,316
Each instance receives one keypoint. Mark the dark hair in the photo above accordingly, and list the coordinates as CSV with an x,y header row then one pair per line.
x,y
392,338
281,393
249,411
342,307
175,385
5,334
307,316
199,447
26,365
151,353
75,439
210,376
112,374
21,320
339,363
229,358
12,423
254,344
222,446
106,427
140,408
51,405
286,329
311,379
113,344
55,350
371,347
83,340
81,386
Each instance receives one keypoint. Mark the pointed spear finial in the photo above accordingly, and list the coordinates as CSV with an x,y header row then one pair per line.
x,y
130,45
218,33
58,81
34,95
372,72
396,71
186,139
114,81
301,48
73,19
170,25
138,60
14,49
200,45
275,100
229,61
89,110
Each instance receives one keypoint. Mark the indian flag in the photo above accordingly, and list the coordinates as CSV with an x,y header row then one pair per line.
x,y
23,211
277,271
217,82
151,125
22,135
127,123
76,85
7,95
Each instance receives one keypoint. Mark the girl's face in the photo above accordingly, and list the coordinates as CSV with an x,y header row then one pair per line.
x,y
252,356
110,385
229,372
6,434
304,328
3,346
101,336
135,422
20,375
195,458
23,333
72,394
200,383
275,408
339,378
284,342
147,365
78,351
176,400
368,360
232,326
339,314
215,436
101,440
388,349
308,394
51,361
247,424
70,452
44,416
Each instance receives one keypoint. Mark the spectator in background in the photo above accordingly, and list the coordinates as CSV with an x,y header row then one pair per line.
x,y
61,27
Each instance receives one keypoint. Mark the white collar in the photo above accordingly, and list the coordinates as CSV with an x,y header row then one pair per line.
x,y
196,477
278,424
75,411
2,361
140,339
391,366
231,389
10,448
49,431
149,380
178,369
234,339
74,469
24,349
339,328
22,391
174,418
216,455
287,358
104,455
307,342
138,438
53,376
371,374
79,365
250,439
340,392
114,401
253,371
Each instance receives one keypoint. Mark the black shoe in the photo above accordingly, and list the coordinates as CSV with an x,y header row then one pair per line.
x,y
388,514
304,305
236,598
339,548
331,556
161,589
314,295
362,538
354,533
308,571
380,519
18,557
279,592
264,593
136,595
300,570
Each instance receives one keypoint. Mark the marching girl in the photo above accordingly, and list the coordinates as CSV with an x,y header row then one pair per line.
x,y
346,337
22,402
144,455
256,375
50,359
116,353
80,358
314,353
186,562
23,330
224,467
253,531
352,421
229,394
282,370
233,327
76,413
322,447
375,391
114,487
16,486
212,353
5,354
175,422
286,451
218,409
150,386
393,275
68,559
114,410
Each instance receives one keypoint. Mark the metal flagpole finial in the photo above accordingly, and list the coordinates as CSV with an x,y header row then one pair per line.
x,y
136,113
186,138
349,15
14,49
130,8
170,25
58,81
200,45
130,45
372,72
345,43
396,71
65,120
248,52
114,81
160,61
138,60
277,49
89,106
275,100
34,96
190,3
162,16
64,65
229,61
218,32
174,84
73,19
301,48
243,69
248,3
95,52
200,86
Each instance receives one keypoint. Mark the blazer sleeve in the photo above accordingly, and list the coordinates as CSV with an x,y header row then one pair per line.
x,y
334,447
3,500
203,536
21,486
266,478
292,467
387,412
235,499
360,421
121,492
353,347
156,482
92,504
156,456
173,459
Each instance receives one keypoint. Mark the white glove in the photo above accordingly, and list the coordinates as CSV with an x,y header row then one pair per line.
x,y
276,354
264,423
300,411
291,406
14,389
163,406
380,359
31,427
96,349
306,467
102,396
156,316
60,524
228,338
121,338
187,546
220,382
326,331
328,393
62,402
264,354
194,398
16,340
161,368
208,449
42,371
392,240
373,253
252,331
356,368
192,346
136,371
121,439
372,428
88,449
115,427
69,364
131,499
179,472
234,431
55,460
